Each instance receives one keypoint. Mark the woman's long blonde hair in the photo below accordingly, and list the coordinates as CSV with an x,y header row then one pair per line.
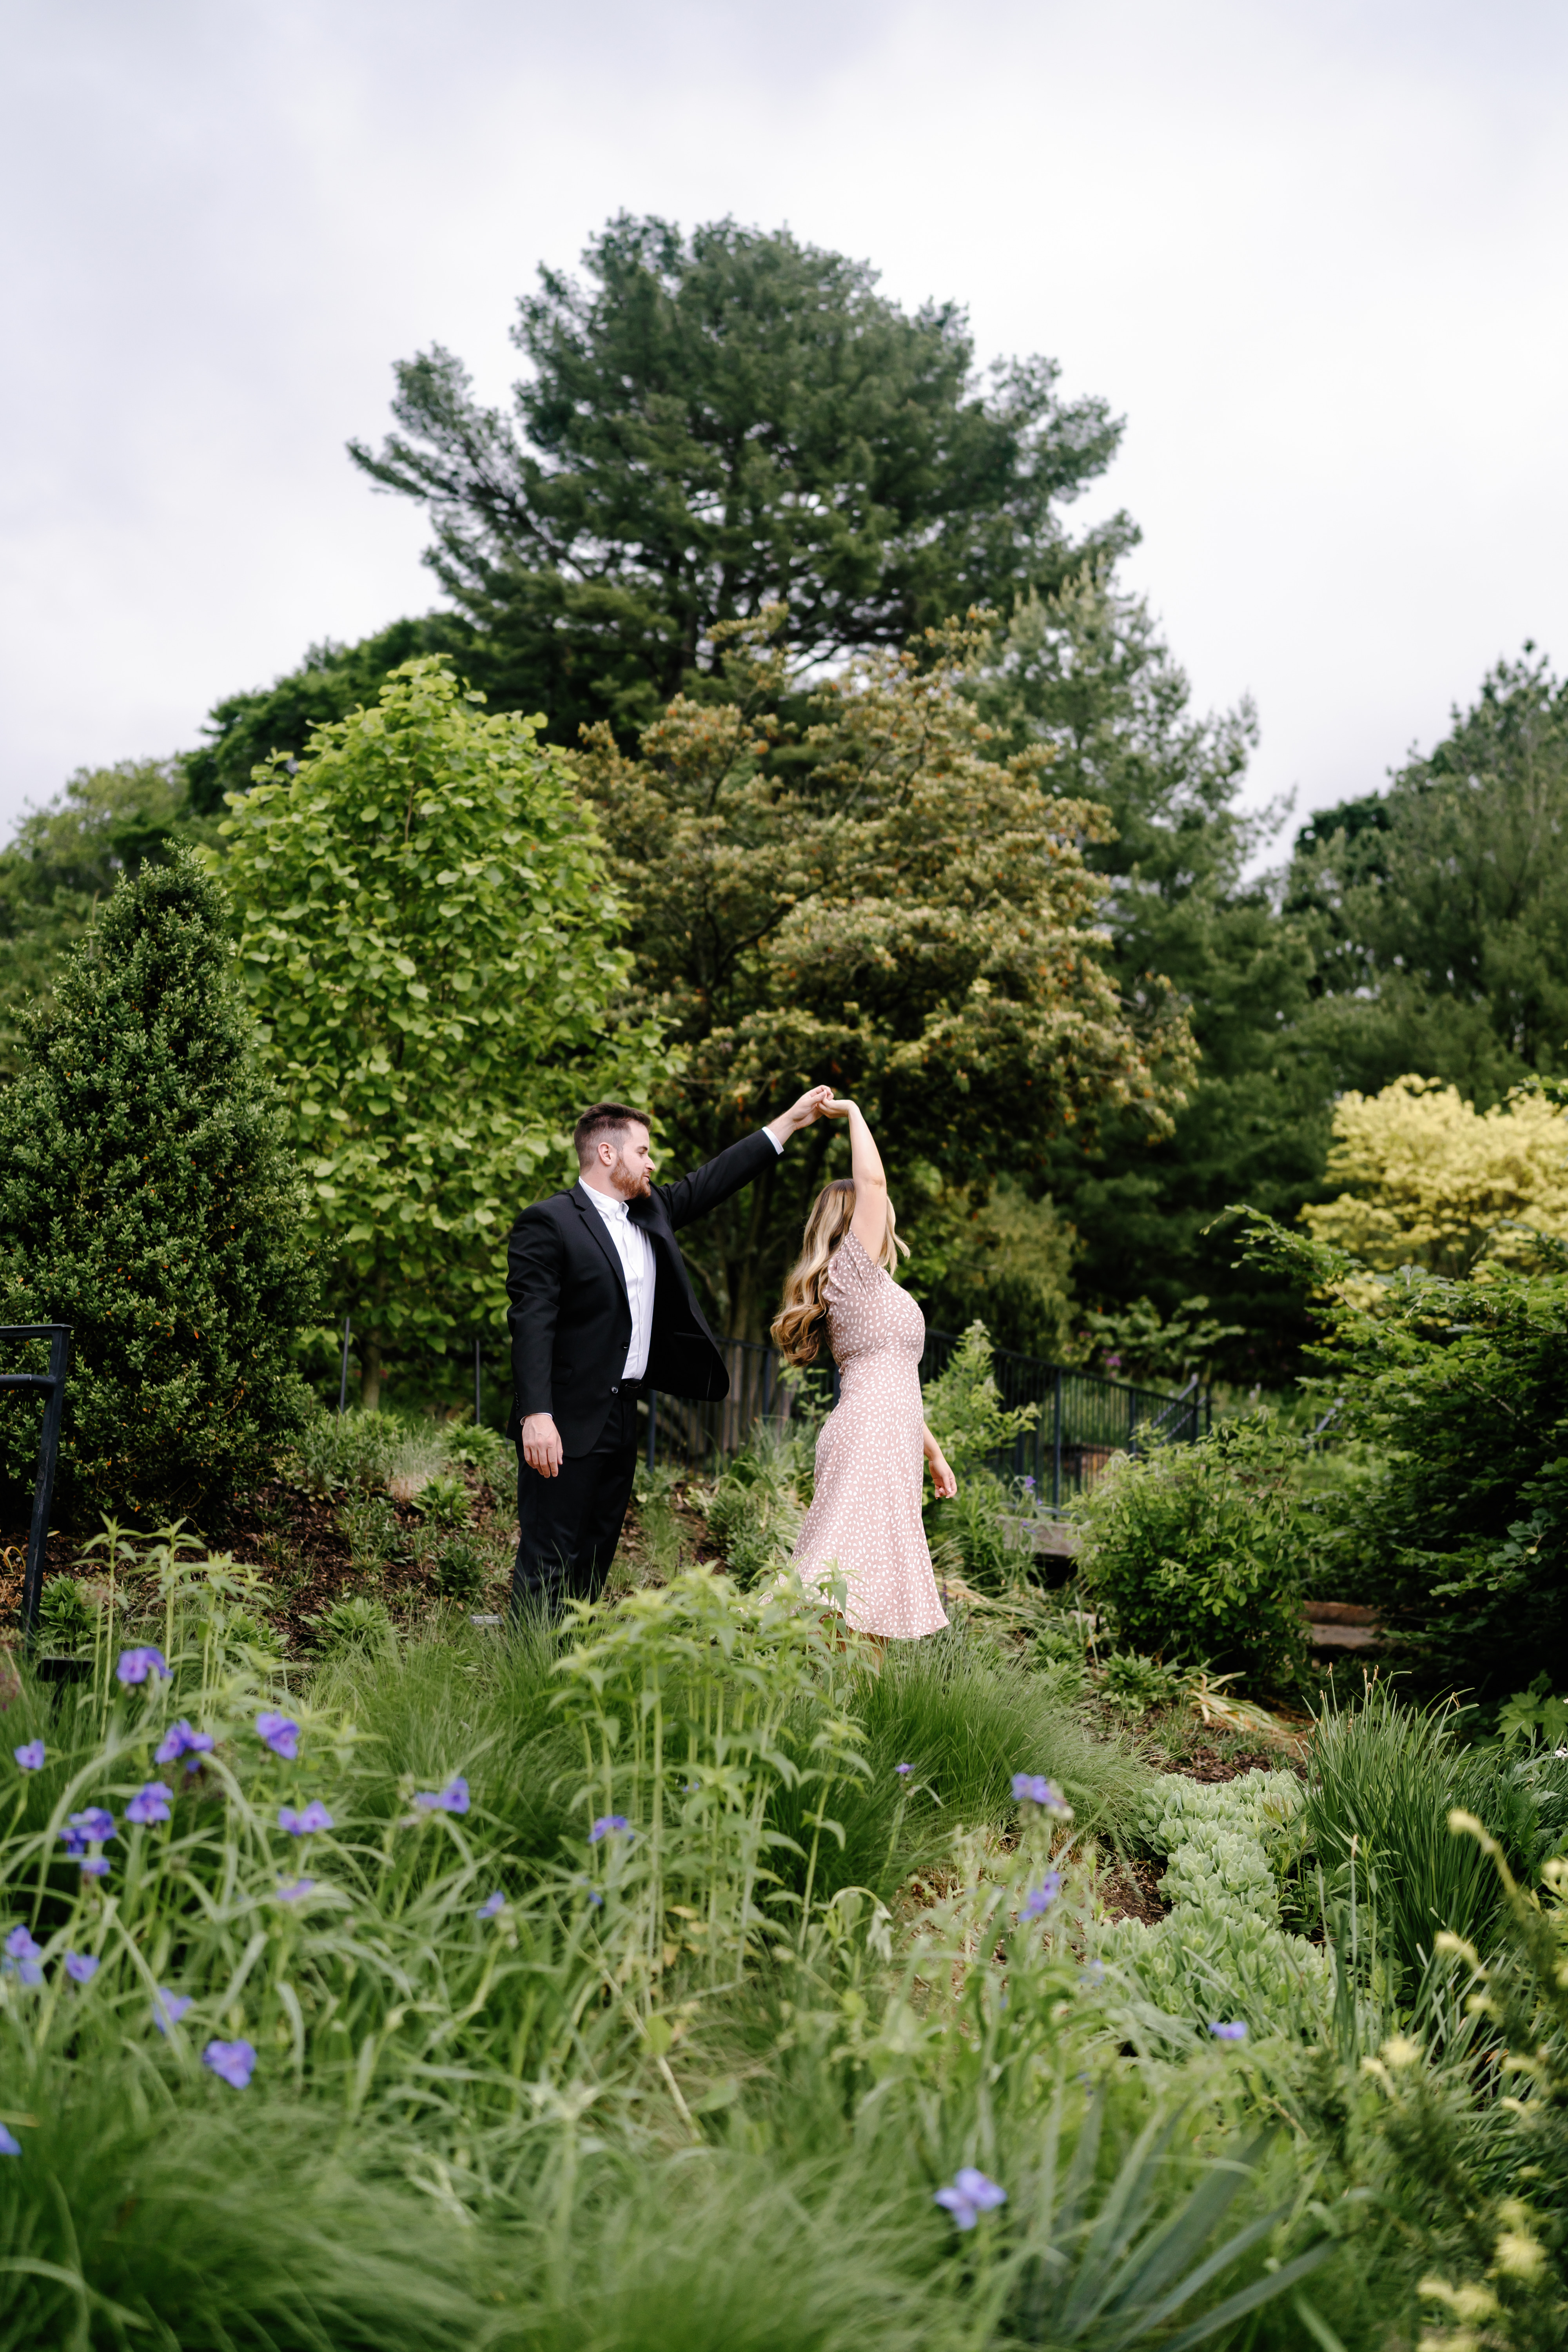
x,y
798,1323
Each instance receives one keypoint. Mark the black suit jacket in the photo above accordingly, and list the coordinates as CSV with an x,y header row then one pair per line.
x,y
571,1318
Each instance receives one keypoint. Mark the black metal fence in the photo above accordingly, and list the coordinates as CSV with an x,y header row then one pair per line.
x,y
1082,1421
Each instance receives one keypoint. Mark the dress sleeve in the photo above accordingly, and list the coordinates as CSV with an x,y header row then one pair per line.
x,y
850,1273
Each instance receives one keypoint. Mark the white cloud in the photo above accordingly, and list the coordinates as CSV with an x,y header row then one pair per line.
x,y
1314,256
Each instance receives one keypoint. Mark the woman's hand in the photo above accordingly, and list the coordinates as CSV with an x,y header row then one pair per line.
x,y
837,1107
941,1477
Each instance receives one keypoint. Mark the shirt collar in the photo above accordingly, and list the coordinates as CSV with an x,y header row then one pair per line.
x,y
606,1205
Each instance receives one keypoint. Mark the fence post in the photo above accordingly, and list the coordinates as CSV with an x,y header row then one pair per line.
x,y
1057,1447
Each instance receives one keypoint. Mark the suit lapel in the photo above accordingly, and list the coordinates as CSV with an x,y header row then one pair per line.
x,y
595,1224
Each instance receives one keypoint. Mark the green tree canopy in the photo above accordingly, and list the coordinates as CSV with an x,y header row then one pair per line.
x,y
428,937
720,422
1439,909
1085,673
148,1199
64,861
891,910
245,730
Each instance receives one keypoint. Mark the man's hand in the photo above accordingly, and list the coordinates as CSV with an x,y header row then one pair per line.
x,y
801,1114
541,1447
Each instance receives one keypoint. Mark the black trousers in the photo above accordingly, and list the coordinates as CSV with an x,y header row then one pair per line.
x,y
568,1526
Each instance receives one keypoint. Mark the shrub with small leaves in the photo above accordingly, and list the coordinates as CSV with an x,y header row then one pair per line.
x,y
66,1622
459,1571
444,1501
355,1623
147,1199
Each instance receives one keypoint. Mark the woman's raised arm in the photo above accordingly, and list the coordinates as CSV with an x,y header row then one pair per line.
x,y
870,1222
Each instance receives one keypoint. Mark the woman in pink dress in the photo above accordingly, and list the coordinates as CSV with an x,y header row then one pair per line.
x,y
864,1524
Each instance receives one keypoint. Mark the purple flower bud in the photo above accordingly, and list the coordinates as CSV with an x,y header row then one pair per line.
x,y
135,1665
23,1957
9,2143
181,1741
492,1906
609,1825
970,2195
279,1733
294,1890
1034,1789
1230,2029
81,1967
903,1770
150,1804
95,1865
168,2008
232,2062
452,1799
30,1754
1040,1898
304,1823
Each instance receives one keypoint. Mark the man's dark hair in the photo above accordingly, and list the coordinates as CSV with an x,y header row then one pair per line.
x,y
603,1118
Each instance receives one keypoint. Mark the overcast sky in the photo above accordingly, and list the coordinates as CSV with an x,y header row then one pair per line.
x,y
1315,256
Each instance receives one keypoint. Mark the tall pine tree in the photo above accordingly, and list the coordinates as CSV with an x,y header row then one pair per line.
x,y
147,1199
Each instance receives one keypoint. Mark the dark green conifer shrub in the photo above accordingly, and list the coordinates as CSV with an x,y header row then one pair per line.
x,y
147,1199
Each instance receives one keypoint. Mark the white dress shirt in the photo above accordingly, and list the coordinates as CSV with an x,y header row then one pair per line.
x,y
635,1251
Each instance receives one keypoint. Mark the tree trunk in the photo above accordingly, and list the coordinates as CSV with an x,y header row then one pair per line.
x,y
370,1376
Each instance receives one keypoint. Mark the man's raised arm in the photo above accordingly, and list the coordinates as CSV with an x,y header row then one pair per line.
x,y
692,1196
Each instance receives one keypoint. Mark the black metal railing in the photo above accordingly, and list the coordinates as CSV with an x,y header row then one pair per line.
x,y
1082,1421
51,1385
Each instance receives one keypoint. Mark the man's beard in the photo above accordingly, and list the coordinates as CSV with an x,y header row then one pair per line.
x,y
631,1183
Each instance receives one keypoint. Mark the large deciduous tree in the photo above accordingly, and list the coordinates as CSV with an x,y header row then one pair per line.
x,y
1439,909
720,422
429,934
889,909
1085,673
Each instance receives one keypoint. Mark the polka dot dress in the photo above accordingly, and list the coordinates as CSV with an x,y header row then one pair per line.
x,y
864,1524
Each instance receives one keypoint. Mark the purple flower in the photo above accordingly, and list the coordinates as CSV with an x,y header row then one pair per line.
x,y
9,2143
81,1967
903,1770
452,1799
95,1865
168,2008
181,1741
1040,1898
590,1890
135,1665
313,1816
1034,1789
150,1804
1230,2029
1113,1363
30,1754
606,1824
492,1905
294,1890
232,2062
90,1828
279,1733
970,2195
1028,1486
24,1958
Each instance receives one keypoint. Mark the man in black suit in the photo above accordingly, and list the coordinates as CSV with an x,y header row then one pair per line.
x,y
602,1309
